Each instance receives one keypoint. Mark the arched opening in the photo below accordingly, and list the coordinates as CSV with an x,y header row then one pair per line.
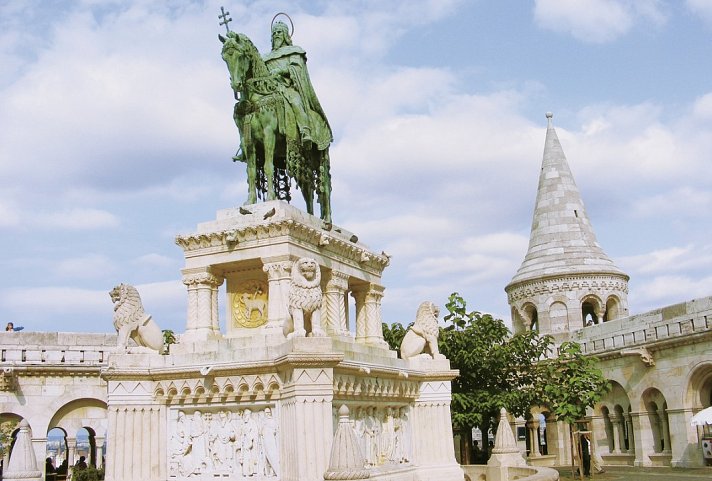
x,y
656,410
57,452
591,312
608,428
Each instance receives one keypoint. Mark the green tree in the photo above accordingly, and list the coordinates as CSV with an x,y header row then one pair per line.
x,y
574,384
496,368
393,334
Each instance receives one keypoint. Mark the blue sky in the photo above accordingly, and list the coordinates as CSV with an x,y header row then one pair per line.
x,y
116,135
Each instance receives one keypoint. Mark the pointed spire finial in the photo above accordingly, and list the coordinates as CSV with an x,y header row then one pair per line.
x,y
549,116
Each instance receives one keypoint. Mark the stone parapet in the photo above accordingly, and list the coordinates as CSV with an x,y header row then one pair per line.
x,y
680,323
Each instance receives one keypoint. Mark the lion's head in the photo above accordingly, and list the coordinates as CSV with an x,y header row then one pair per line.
x,y
127,305
306,273
427,318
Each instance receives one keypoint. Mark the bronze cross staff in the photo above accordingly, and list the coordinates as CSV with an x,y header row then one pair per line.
x,y
225,19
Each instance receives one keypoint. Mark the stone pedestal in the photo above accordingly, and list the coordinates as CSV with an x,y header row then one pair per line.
x,y
239,400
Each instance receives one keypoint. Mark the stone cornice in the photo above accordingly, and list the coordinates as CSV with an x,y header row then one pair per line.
x,y
193,371
327,242
573,282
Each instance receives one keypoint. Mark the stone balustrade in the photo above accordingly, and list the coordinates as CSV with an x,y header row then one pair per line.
x,y
50,348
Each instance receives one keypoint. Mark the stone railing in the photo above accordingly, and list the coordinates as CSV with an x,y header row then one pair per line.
x,y
668,324
55,348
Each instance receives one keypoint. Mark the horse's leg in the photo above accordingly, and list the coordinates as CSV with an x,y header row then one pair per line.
x,y
324,186
251,158
269,139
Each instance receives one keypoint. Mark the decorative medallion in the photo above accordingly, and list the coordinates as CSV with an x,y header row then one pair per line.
x,y
249,304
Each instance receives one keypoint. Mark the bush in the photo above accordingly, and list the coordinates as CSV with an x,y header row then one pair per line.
x,y
90,473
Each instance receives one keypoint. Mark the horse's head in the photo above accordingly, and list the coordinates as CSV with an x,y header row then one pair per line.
x,y
235,52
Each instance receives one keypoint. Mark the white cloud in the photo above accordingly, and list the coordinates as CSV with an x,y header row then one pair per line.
x,y
596,21
703,8
77,219
91,266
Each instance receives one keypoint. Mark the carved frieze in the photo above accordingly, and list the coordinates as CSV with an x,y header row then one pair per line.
x,y
224,443
383,433
527,290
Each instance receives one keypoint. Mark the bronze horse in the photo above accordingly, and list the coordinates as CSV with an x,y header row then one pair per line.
x,y
273,153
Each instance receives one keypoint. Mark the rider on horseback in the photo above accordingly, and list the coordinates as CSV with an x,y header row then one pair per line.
x,y
289,63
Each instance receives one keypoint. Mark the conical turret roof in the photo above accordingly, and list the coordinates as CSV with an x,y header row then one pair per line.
x,y
562,241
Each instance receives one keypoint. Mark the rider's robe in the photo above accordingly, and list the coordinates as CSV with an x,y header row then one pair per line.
x,y
292,59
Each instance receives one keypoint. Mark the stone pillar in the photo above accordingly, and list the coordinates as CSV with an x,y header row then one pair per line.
x,y
631,436
203,317
533,432
278,278
333,317
664,431
71,452
306,421
99,452
644,439
616,421
431,429
137,443
372,304
685,436
359,295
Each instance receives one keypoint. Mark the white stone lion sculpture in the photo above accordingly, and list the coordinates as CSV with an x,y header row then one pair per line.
x,y
132,322
304,300
422,337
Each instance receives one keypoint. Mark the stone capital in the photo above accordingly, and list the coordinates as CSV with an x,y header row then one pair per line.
x,y
338,281
277,269
204,277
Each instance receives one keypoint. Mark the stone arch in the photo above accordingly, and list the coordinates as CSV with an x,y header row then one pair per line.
x,y
698,392
613,309
592,310
558,317
525,318
84,413
616,430
655,409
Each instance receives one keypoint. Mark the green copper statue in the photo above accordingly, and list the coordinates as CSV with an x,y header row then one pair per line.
x,y
283,130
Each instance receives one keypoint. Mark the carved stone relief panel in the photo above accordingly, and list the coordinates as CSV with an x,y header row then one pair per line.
x,y
383,433
224,443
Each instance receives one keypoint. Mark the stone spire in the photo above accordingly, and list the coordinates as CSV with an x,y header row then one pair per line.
x,y
563,249
562,239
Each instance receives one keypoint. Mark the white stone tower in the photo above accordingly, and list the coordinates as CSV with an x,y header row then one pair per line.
x,y
566,281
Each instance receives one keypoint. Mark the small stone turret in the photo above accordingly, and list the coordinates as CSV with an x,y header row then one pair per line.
x,y
566,281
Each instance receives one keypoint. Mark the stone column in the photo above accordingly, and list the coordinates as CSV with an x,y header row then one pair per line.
x,y
533,430
99,452
71,452
631,436
306,423
278,278
202,323
616,421
359,295
372,305
334,307
664,431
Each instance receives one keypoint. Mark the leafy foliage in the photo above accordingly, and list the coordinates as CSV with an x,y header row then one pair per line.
x,y
393,334
169,337
496,368
574,383
7,427
90,473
